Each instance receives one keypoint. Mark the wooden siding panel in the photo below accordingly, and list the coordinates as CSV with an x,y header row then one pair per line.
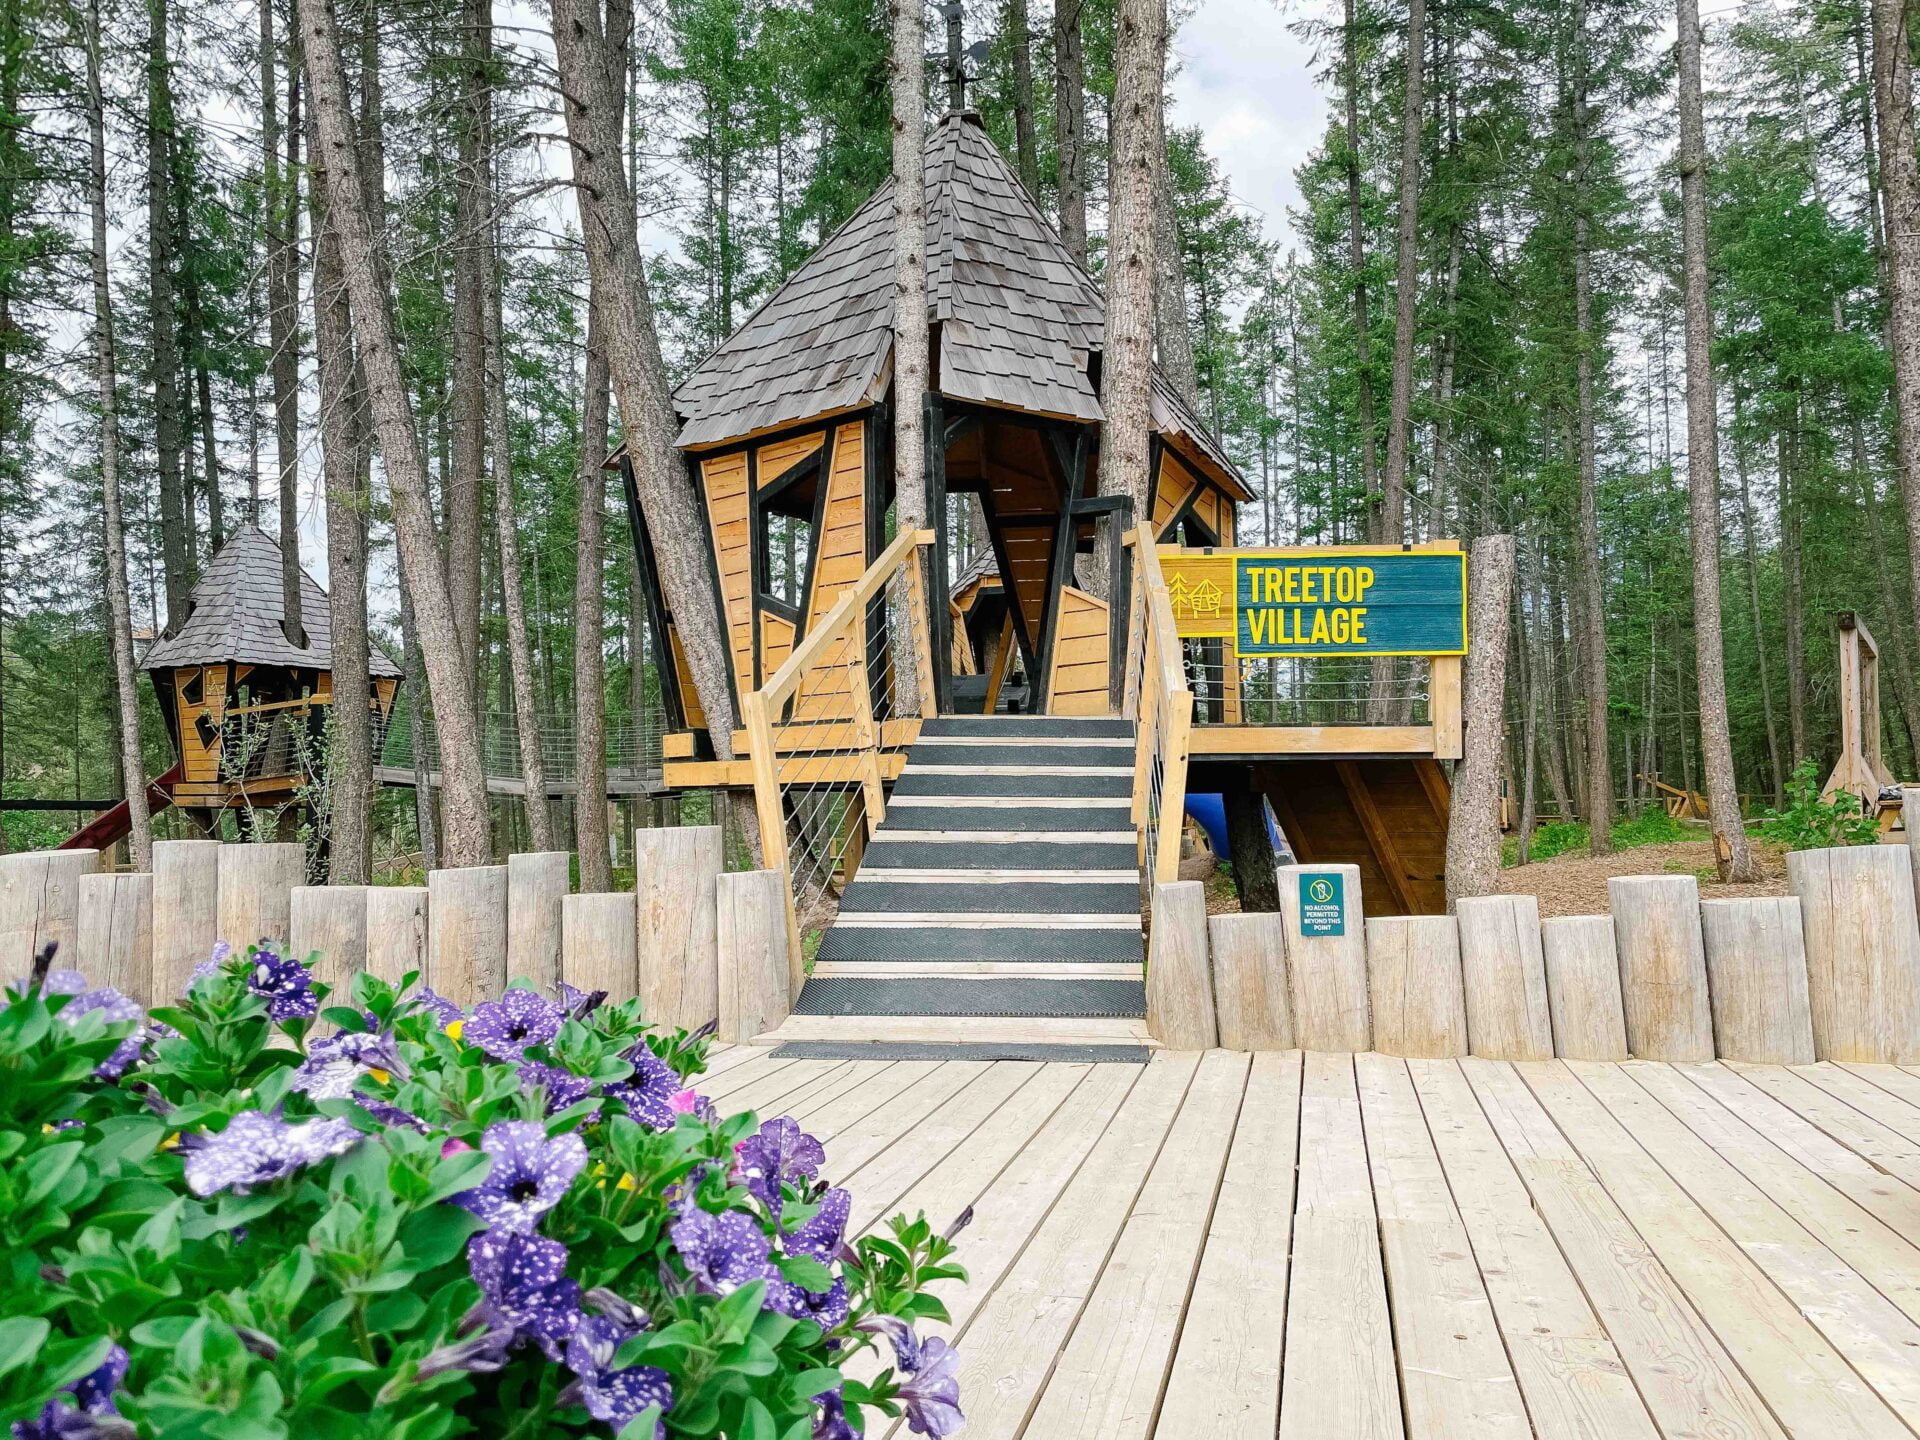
x,y
725,481
1077,684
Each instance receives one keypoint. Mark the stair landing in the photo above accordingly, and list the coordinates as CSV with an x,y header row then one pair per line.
x,y
998,905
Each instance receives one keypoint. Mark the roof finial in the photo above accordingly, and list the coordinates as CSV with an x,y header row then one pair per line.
x,y
956,59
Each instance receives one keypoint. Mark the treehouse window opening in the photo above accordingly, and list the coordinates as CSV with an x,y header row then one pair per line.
x,y
784,545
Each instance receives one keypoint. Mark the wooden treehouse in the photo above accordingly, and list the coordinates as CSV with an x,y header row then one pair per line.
x,y
1041,721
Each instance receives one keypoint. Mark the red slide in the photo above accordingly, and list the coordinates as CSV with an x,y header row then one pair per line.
x,y
111,825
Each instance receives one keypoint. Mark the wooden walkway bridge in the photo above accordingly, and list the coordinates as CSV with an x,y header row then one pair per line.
x,y
1357,1247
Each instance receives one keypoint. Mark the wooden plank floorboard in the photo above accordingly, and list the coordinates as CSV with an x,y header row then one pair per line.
x,y
1225,1381
769,1094
851,1143
1885,1149
1874,1101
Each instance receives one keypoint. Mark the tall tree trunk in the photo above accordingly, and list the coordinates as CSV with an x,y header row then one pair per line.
x,y
1526,660
1751,555
639,374
133,771
281,199
910,359
1443,390
1173,338
1900,192
370,294
465,483
350,734
1473,825
1793,599
1357,263
1731,853
1019,35
1070,124
176,513
1127,348
1393,487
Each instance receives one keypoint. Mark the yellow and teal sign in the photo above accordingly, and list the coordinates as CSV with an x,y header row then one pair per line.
x,y
1334,601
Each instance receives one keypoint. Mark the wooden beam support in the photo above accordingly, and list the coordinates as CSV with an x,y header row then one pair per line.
x,y
1385,854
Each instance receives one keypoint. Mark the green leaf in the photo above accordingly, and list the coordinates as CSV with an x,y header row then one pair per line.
x,y
20,1340
47,1169
809,1383
434,1236
733,1317
806,1272
756,1421
643,1426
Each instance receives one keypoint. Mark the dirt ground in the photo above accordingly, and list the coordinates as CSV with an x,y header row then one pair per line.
x,y
1576,884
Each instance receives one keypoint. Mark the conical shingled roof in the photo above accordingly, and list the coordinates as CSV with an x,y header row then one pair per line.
x,y
1018,317
234,615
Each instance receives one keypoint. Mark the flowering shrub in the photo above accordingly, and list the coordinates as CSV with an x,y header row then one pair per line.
x,y
216,1222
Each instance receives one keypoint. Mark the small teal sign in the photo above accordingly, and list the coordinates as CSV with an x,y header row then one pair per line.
x,y
1397,603
1323,904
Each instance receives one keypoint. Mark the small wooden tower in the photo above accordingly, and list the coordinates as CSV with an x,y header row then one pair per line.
x,y
239,696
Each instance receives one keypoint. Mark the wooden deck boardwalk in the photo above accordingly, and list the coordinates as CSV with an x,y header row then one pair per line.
x,y
1338,1247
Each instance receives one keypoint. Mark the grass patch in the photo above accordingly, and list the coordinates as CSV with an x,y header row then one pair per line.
x,y
1652,826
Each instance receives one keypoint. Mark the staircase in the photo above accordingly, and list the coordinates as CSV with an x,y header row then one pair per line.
x,y
996,914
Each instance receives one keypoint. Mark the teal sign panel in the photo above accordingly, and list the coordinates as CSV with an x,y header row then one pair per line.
x,y
1392,603
1323,904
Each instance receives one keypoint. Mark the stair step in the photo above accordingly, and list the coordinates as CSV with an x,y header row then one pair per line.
x,y
1043,725
1007,813
902,876
954,969
884,944
1036,742
1038,756
1009,802
870,894
979,1050
997,996
979,783
962,1029
962,920
1020,852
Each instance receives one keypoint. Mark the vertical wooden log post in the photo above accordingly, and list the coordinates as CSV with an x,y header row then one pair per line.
x,y
1179,980
1251,1005
396,931
1863,952
467,933
597,945
1416,986
676,872
186,912
1583,987
331,919
256,892
536,884
1910,821
1327,974
1505,974
40,905
1663,966
1473,820
751,930
116,933
1757,980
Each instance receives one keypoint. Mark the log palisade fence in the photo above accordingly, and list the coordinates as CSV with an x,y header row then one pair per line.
x,y
693,943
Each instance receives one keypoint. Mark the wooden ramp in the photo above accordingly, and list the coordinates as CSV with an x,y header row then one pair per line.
x,y
1386,815
1337,1247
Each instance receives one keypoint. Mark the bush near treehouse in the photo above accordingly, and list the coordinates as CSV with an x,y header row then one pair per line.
x,y
515,1223
1812,822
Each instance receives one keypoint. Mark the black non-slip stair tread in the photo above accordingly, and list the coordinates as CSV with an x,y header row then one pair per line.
x,y
1056,784
1022,752
985,943
1079,725
1009,815
961,1050
973,995
871,893
888,853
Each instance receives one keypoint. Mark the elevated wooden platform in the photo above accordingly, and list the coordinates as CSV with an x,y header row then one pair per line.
x,y
1336,1247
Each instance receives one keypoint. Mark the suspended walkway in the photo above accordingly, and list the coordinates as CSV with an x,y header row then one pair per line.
x,y
632,755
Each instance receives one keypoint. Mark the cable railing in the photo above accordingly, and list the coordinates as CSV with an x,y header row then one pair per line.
x,y
1300,690
822,728
631,747
1159,701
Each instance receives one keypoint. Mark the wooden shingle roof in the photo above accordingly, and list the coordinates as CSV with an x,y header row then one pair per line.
x,y
1018,318
234,615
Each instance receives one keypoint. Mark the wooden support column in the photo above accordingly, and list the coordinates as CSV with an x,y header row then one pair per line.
x,y
186,912
1757,980
536,884
1663,966
467,933
330,919
1415,985
598,944
396,931
256,892
1583,987
676,870
1863,952
1180,1013
1327,973
1506,977
1379,838
751,933
116,933
1251,1001
40,905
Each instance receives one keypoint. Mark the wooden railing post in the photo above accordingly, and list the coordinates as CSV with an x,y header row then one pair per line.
x,y
920,617
867,737
772,817
1173,788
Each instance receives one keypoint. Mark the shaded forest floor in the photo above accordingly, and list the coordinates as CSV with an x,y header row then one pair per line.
x,y
1576,883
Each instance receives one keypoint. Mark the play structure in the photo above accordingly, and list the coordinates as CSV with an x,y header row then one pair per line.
x,y
242,700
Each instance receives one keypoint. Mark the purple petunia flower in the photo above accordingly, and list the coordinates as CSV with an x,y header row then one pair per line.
x,y
210,967
284,983
820,1237
723,1252
530,1172
480,1353
335,1064
504,1028
563,1087
612,1394
648,1093
118,1010
442,1009
92,1396
780,1152
524,1287
580,1003
256,1149
827,1309
831,1422
388,1113
931,1392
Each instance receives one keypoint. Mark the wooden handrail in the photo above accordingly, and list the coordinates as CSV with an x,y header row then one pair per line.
x,y
1160,613
784,681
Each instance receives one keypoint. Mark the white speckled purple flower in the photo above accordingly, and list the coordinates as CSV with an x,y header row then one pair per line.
x,y
820,1237
524,1286
831,1422
284,983
256,1149
504,1028
443,1010
209,968
780,1152
531,1171
648,1093
118,1010
335,1064
92,1396
563,1087
615,1395
723,1252
930,1393
827,1309
580,1003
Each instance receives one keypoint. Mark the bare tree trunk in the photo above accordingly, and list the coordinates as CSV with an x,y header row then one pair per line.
x,y
1751,555
176,513
1443,392
464,484
909,299
1127,349
350,751
1070,124
132,766
1526,657
1732,855
1473,827
1393,489
1900,192
1019,34
639,373
370,295
281,200
1357,262
1173,338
